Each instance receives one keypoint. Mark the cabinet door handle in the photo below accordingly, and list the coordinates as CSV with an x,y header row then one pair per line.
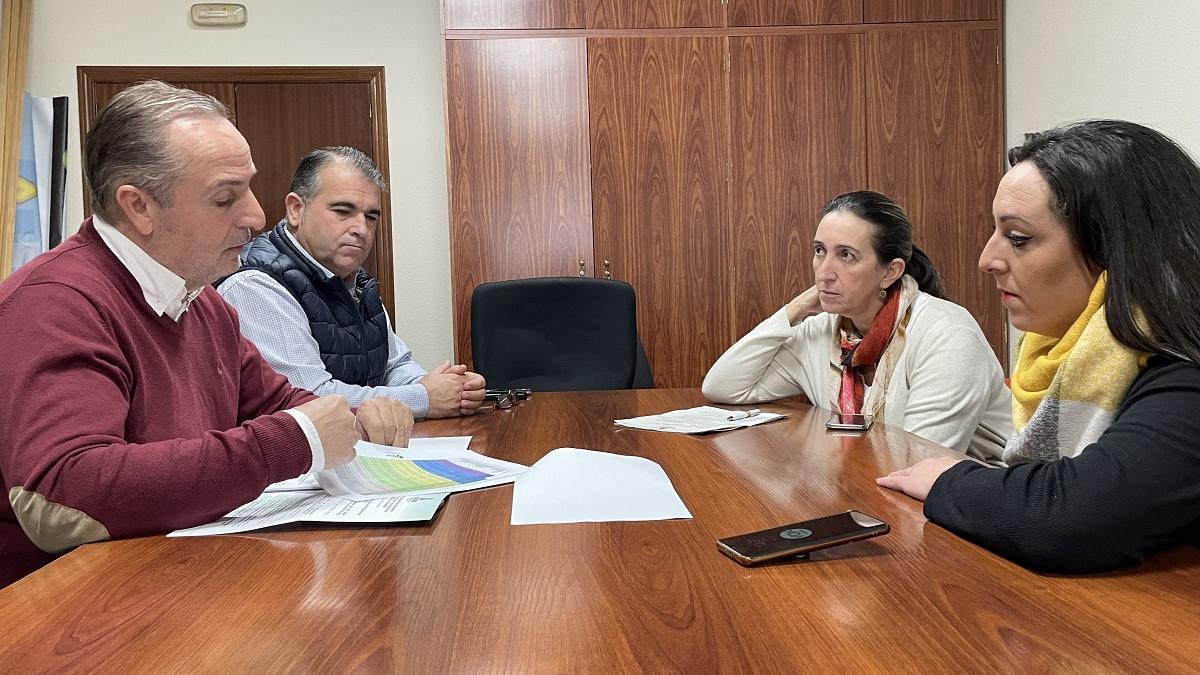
x,y
607,269
582,272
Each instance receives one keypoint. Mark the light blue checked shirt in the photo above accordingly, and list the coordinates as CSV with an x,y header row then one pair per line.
x,y
273,320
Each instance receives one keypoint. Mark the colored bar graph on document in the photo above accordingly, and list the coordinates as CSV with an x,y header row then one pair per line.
x,y
370,477
429,474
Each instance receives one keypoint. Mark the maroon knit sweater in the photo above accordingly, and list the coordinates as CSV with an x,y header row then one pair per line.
x,y
122,423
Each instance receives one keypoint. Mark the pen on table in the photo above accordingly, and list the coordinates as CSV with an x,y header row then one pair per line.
x,y
743,415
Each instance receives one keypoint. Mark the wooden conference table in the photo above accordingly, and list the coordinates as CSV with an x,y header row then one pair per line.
x,y
470,593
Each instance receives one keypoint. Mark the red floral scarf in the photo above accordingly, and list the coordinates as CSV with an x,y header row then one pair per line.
x,y
858,354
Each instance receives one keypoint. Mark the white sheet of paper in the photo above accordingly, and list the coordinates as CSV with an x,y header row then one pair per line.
x,y
279,508
445,447
698,420
570,485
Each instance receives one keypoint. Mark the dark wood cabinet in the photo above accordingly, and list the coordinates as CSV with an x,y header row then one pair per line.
x,y
653,13
316,114
685,146
659,191
510,14
898,11
933,111
794,12
566,14
798,138
520,190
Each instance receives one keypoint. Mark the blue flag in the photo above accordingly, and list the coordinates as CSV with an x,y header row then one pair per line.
x,y
27,235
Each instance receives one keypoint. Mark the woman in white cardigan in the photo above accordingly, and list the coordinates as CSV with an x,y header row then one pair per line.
x,y
874,335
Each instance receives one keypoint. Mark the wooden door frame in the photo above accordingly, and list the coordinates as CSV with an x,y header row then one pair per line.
x,y
89,76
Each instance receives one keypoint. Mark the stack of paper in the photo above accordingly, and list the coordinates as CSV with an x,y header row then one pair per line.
x,y
381,485
699,420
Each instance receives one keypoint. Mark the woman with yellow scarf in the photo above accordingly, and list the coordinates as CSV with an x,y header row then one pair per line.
x,y
1094,253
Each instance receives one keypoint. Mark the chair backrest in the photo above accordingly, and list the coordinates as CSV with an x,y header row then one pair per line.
x,y
557,334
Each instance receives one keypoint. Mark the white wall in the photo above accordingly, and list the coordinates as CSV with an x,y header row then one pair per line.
x,y
402,35
1077,59
1068,60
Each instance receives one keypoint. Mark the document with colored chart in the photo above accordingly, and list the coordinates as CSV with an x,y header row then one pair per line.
x,y
440,465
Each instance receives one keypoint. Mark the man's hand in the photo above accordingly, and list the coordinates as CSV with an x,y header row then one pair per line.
x,y
385,421
472,395
804,305
335,427
916,480
446,386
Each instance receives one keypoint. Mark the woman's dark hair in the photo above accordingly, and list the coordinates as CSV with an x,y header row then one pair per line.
x,y
1130,197
891,235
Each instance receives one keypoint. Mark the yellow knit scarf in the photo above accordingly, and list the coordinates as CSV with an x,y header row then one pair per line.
x,y
1066,391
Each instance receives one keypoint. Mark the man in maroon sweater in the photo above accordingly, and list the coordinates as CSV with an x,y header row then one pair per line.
x,y
133,404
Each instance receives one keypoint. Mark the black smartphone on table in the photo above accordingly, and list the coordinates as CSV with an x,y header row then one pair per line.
x,y
840,422
801,538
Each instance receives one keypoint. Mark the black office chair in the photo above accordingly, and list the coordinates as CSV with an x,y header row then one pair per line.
x,y
558,334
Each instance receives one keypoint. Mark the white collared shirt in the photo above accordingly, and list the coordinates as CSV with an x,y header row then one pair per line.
x,y
167,293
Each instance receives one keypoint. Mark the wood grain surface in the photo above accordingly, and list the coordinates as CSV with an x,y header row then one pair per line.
x,y
659,193
798,125
793,12
520,189
314,115
471,594
536,14
934,144
654,13
895,11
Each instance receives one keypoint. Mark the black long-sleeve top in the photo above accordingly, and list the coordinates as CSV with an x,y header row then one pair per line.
x,y
1137,487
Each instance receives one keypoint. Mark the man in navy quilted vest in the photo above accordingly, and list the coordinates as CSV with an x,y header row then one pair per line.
x,y
315,314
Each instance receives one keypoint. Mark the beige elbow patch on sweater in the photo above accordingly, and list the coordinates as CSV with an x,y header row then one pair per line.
x,y
54,528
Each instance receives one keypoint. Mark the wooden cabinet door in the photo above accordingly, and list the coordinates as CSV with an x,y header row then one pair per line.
x,y
934,143
529,14
520,199
653,13
793,12
798,139
283,121
896,11
222,91
659,193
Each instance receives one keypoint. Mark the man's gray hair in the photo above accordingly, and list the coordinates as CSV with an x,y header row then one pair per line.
x,y
128,145
307,180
